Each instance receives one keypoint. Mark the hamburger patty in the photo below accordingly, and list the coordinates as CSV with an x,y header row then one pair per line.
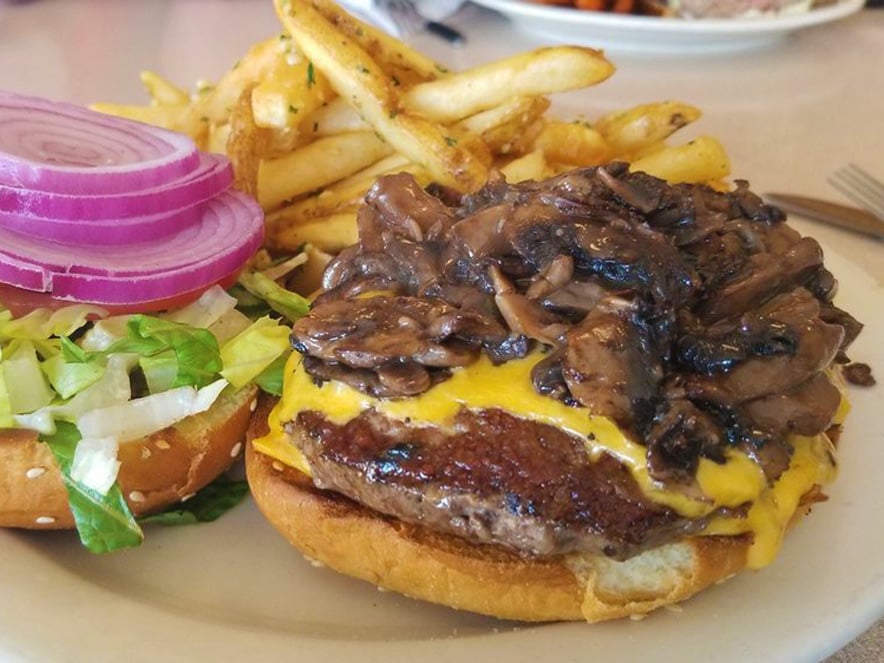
x,y
492,478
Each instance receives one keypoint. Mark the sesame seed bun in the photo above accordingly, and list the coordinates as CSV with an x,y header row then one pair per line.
x,y
486,579
155,471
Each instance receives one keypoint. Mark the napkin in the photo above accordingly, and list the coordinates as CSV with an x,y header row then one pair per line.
x,y
437,10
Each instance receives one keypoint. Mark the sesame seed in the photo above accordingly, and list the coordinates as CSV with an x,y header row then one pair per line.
x,y
187,497
146,453
277,466
253,405
35,472
136,496
45,520
162,444
236,449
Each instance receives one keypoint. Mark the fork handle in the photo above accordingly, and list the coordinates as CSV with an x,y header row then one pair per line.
x,y
446,32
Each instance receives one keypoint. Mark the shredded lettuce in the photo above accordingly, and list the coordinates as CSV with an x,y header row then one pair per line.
x,y
104,333
6,420
285,302
22,369
70,371
251,351
43,323
212,305
95,464
143,416
69,375
104,522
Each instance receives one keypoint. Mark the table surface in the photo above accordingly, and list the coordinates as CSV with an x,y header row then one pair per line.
x,y
788,114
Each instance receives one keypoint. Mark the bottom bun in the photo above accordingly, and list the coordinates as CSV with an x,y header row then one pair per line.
x,y
412,560
155,471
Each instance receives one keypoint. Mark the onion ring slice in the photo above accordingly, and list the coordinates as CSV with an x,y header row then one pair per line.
x,y
212,175
229,231
62,148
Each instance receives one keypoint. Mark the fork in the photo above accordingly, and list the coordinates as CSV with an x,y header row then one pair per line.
x,y
409,20
861,187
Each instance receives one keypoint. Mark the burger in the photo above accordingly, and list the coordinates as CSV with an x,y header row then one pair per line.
x,y
577,399
128,372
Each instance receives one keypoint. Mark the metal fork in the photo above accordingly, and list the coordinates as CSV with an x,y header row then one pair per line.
x,y
861,187
409,20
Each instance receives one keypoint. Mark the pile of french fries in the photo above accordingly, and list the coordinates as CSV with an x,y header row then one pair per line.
x,y
310,118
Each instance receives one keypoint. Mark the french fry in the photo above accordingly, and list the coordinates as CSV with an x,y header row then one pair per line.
x,y
163,92
357,78
184,119
402,63
501,127
217,137
291,90
702,160
523,142
531,166
390,164
636,129
317,165
216,102
344,194
335,117
536,73
572,143
330,234
516,108
246,143
310,119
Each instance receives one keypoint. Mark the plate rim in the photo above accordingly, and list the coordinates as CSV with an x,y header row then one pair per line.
x,y
517,9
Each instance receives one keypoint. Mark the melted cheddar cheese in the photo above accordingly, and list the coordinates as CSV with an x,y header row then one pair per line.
x,y
737,482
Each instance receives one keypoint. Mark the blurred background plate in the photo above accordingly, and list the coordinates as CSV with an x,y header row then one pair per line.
x,y
654,34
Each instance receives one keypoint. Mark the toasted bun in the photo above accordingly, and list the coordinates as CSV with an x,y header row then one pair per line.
x,y
155,471
417,562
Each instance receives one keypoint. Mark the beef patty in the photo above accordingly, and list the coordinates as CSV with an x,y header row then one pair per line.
x,y
490,478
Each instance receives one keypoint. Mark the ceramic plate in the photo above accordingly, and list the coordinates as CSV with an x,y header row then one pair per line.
x,y
649,33
233,590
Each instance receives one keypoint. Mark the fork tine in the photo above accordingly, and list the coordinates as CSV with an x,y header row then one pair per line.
x,y
404,14
861,187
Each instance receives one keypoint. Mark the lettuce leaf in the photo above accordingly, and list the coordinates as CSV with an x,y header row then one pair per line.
x,y
104,522
207,505
271,378
197,352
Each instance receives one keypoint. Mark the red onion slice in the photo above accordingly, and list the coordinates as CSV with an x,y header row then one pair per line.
x,y
212,176
63,148
110,233
229,231
22,274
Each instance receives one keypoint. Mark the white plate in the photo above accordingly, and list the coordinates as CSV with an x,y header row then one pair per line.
x,y
233,590
650,33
